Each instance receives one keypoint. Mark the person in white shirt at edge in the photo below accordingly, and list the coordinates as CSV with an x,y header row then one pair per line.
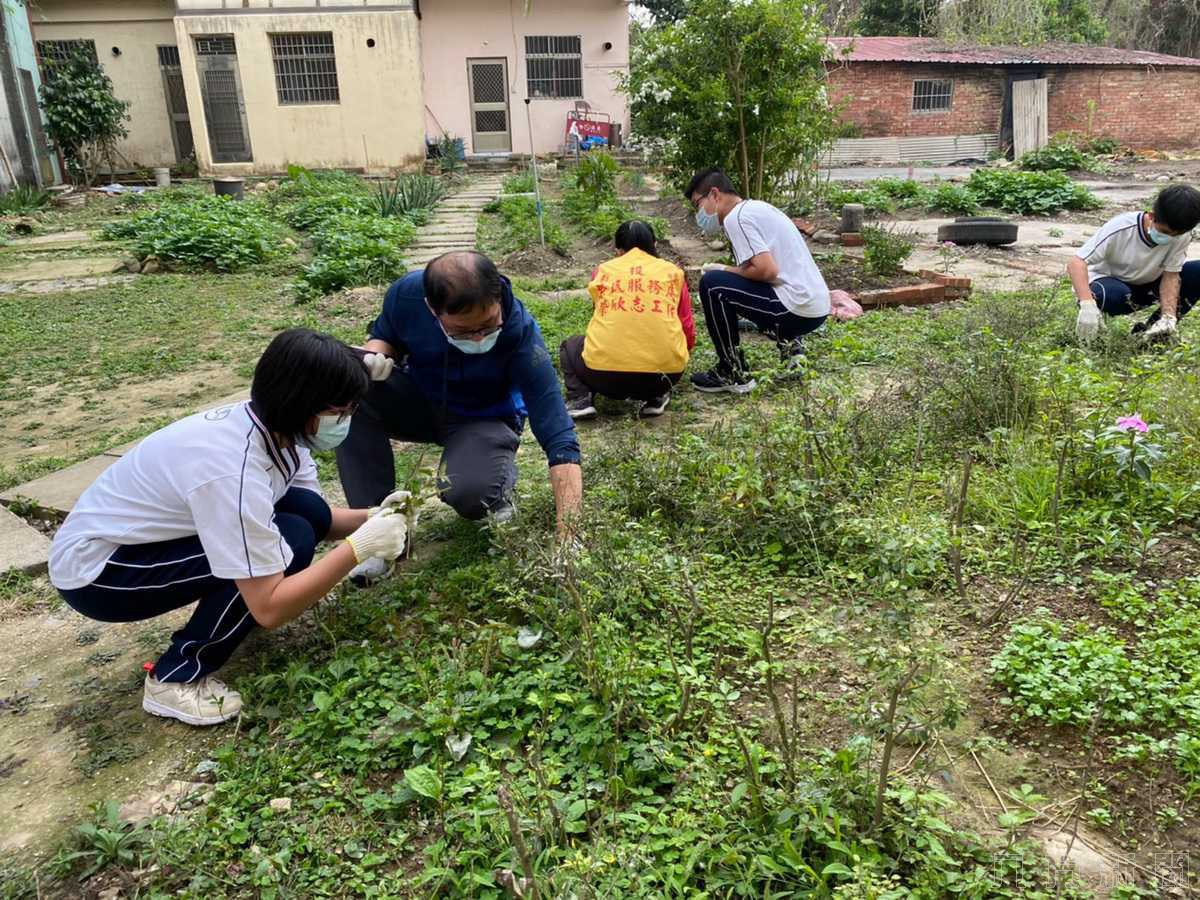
x,y
1137,260
776,283
223,509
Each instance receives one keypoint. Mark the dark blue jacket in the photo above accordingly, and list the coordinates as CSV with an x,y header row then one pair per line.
x,y
514,379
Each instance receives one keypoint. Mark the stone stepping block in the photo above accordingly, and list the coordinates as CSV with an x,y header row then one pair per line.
x,y
70,267
59,490
21,545
60,240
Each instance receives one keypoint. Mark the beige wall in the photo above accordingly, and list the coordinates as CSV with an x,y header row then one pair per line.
x,y
376,125
453,31
137,27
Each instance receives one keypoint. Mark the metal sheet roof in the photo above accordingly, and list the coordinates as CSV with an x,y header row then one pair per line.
x,y
934,50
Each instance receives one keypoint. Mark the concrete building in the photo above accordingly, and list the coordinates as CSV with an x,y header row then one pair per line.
x,y
251,86
915,90
25,154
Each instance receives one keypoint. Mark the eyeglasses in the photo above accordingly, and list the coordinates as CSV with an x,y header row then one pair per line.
x,y
477,334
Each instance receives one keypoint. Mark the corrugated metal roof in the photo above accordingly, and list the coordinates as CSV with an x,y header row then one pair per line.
x,y
937,150
933,50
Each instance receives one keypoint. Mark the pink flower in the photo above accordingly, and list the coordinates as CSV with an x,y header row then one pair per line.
x,y
1135,422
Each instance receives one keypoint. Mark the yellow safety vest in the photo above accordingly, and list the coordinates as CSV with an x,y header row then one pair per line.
x,y
635,316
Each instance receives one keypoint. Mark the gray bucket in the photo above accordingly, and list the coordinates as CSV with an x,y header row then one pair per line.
x,y
229,187
162,176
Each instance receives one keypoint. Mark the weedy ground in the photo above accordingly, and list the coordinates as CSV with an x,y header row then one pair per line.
x,y
876,631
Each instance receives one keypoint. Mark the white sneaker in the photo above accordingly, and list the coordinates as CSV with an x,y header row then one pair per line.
x,y
367,573
204,702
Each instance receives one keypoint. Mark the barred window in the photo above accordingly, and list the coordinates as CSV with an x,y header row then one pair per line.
x,y
168,55
554,66
932,95
305,68
216,45
61,51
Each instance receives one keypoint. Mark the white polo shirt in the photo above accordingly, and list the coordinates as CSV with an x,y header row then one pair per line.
x,y
1122,249
217,474
753,227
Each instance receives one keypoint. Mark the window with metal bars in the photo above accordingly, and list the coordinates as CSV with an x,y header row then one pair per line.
x,y
554,66
305,68
932,95
168,55
61,51
216,45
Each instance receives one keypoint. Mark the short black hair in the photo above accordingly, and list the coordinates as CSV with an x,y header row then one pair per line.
x,y
707,179
636,233
1178,207
462,280
301,374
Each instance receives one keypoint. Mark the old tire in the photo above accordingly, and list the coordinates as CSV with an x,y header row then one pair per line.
x,y
982,230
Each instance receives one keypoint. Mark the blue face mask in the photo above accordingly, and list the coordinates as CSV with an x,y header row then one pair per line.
x,y
709,222
331,431
1158,237
482,346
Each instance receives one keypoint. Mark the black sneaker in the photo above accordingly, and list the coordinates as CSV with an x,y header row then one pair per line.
x,y
655,407
581,408
716,381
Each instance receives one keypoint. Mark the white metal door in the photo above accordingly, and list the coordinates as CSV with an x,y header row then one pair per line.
x,y
1029,116
490,126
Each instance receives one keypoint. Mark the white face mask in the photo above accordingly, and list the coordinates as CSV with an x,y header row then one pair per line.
x,y
331,431
469,346
1158,237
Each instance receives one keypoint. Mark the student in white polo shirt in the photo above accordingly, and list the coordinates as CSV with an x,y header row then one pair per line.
x,y
1138,260
776,283
224,508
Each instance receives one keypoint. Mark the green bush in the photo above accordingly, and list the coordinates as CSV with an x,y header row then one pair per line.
x,y
886,250
953,199
1061,154
307,213
408,194
352,250
1030,193
23,199
520,183
595,176
1103,146
519,226
216,232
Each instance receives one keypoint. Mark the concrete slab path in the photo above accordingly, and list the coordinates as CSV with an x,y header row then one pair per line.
x,y
452,226
21,545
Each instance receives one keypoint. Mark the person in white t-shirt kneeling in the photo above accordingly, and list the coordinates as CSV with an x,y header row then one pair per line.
x,y
776,283
223,509
1138,260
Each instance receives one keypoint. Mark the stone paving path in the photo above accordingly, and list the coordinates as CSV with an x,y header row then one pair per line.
x,y
452,226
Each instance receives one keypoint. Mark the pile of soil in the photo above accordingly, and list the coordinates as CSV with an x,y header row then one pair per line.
x,y
847,273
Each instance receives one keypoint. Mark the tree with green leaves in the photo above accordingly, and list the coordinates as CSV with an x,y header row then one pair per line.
x,y
912,18
665,10
83,117
736,85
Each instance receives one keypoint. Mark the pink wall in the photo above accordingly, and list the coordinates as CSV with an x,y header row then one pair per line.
x,y
452,31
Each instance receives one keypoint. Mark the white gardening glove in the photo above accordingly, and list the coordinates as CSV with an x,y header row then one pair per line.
x,y
1087,323
1163,329
395,500
713,267
381,536
378,366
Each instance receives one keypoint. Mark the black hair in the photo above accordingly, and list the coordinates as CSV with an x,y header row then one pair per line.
x,y
636,233
1178,207
707,179
460,281
301,374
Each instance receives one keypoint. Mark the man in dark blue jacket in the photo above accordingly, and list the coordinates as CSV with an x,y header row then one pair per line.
x,y
456,359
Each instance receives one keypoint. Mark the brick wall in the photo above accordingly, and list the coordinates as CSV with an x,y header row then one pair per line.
x,y
877,97
1152,109
1139,107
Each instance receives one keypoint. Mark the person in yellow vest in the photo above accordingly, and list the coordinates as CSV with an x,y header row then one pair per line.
x,y
641,333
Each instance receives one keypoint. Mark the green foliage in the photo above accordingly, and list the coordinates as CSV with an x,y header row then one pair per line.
x,y
1061,154
886,250
1021,21
84,118
352,249
1030,193
408,194
306,199
23,199
104,842
595,176
1103,146
952,199
450,151
739,86
518,226
590,201
211,232
896,17
520,183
